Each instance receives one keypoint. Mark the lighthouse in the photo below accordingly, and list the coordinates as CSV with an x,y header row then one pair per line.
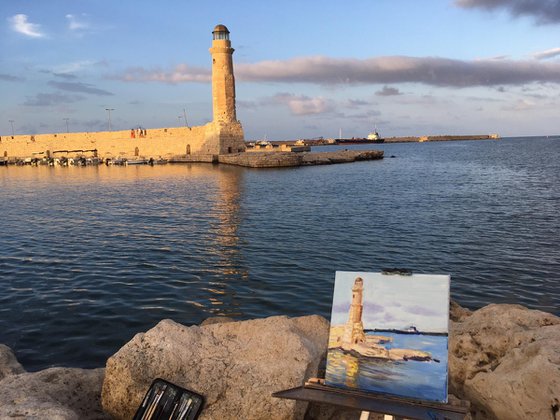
x,y
354,328
224,135
223,80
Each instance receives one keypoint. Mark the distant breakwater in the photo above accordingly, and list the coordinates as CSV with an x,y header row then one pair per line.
x,y
358,140
421,139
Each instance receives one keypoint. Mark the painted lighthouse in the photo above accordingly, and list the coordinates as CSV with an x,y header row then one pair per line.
x,y
354,328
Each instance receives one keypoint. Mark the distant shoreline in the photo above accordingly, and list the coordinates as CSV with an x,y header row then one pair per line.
x,y
405,139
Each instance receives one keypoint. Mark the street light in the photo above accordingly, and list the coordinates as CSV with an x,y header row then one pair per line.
x,y
185,114
109,111
12,122
66,119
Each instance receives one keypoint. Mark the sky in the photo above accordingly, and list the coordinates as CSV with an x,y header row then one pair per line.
x,y
425,305
304,69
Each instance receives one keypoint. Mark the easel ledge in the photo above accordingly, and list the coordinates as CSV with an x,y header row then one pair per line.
x,y
315,391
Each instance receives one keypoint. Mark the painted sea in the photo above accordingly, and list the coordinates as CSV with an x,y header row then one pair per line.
x,y
403,378
91,256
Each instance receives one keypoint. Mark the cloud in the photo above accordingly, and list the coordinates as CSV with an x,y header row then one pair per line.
x,y
95,125
544,11
20,24
74,24
433,71
65,76
9,78
520,105
181,73
388,91
355,103
79,87
303,105
48,99
543,55
422,310
76,66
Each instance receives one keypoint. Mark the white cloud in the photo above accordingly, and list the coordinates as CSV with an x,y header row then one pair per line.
x,y
543,55
303,105
74,24
20,24
74,66
520,105
181,73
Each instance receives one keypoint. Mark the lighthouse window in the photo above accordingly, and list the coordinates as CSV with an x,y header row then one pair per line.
x,y
221,35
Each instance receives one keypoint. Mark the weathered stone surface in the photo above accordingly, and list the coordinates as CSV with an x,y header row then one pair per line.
x,y
216,320
236,366
340,156
505,359
56,393
457,312
263,159
8,362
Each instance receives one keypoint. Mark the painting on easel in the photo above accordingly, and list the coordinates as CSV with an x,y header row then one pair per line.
x,y
389,334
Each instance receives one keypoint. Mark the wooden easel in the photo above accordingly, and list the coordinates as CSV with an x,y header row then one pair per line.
x,y
315,390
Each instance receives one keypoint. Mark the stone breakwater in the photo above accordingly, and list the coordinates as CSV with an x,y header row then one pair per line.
x,y
283,159
504,359
290,159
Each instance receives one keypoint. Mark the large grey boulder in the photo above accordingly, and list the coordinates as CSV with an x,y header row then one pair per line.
x,y
505,359
236,365
56,393
8,362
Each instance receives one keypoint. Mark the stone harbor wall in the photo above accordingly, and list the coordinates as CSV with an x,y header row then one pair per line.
x,y
504,359
212,138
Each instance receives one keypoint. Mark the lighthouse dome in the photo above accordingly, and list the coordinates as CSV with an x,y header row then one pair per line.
x,y
220,32
220,28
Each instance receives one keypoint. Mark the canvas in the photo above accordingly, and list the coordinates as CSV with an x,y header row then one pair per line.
x,y
389,334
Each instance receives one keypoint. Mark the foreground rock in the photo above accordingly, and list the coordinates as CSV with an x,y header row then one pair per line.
x,y
8,362
56,393
505,359
236,366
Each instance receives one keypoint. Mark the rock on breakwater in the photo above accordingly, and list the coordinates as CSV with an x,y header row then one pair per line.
x,y
291,159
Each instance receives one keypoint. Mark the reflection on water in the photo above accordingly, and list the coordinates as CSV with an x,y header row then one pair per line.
x,y
107,250
89,256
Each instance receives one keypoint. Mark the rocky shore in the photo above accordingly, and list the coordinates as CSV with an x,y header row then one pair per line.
x,y
504,359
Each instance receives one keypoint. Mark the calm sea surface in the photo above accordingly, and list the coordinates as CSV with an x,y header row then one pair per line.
x,y
90,256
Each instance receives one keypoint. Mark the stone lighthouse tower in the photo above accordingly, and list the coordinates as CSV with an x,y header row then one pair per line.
x,y
354,328
223,81
224,134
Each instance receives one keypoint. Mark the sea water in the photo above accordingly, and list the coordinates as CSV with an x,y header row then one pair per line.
x,y
90,256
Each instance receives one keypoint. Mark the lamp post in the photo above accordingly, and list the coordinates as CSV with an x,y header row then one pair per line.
x,y
66,119
185,114
109,112
12,122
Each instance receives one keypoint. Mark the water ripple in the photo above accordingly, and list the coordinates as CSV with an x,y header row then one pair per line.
x,y
91,256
